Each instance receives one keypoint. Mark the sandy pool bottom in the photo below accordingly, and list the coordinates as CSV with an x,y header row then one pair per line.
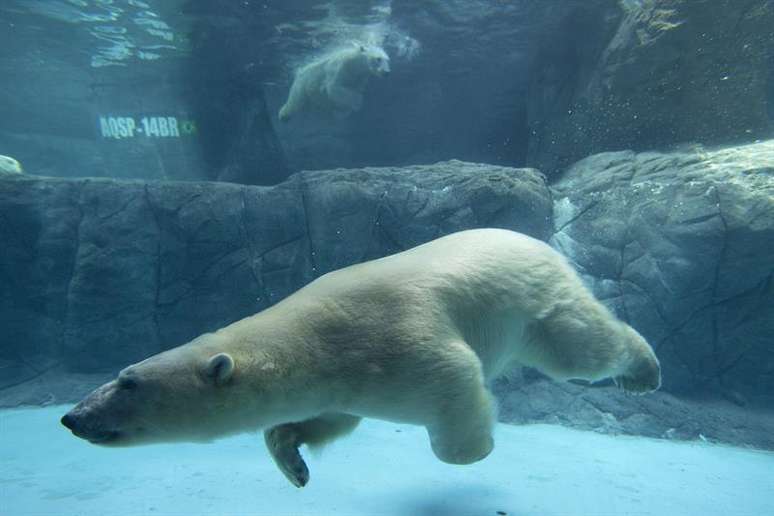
x,y
382,469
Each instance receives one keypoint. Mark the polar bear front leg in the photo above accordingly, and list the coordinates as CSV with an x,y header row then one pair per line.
x,y
461,432
295,102
284,441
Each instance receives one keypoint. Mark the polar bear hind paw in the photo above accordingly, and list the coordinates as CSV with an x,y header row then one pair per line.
x,y
641,380
631,386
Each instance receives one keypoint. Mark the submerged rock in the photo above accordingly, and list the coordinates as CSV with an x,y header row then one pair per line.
x,y
528,398
681,245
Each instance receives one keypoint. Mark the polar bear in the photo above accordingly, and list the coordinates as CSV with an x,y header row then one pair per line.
x,y
8,165
414,337
334,84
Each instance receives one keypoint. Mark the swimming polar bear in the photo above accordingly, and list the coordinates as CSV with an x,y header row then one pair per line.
x,y
413,338
334,84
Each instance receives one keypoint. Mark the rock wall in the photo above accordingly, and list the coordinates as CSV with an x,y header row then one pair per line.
x,y
96,273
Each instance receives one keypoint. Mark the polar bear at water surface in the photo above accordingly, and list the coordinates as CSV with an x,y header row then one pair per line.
x,y
411,338
334,84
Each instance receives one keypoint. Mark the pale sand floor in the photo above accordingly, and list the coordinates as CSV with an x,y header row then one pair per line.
x,y
382,469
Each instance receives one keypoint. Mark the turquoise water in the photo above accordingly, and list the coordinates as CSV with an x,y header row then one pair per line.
x,y
116,32
381,469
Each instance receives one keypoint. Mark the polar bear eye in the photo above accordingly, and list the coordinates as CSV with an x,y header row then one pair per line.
x,y
126,383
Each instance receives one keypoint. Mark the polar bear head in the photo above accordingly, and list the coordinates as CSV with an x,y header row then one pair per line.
x,y
195,392
377,59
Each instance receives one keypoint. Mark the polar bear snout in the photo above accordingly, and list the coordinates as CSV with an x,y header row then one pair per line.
x,y
88,419
95,419
79,426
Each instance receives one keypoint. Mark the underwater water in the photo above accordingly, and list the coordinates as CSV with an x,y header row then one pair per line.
x,y
383,469
253,223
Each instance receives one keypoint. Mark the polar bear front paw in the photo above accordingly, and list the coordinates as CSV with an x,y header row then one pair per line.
x,y
283,443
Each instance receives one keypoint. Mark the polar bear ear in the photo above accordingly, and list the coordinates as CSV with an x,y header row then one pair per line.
x,y
219,368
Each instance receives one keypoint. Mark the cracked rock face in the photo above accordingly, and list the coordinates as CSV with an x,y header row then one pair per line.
x,y
682,246
100,273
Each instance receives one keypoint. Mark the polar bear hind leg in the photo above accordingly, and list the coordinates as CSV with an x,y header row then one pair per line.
x,y
586,342
461,432
284,441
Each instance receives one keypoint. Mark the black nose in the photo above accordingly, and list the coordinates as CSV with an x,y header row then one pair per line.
x,y
68,421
